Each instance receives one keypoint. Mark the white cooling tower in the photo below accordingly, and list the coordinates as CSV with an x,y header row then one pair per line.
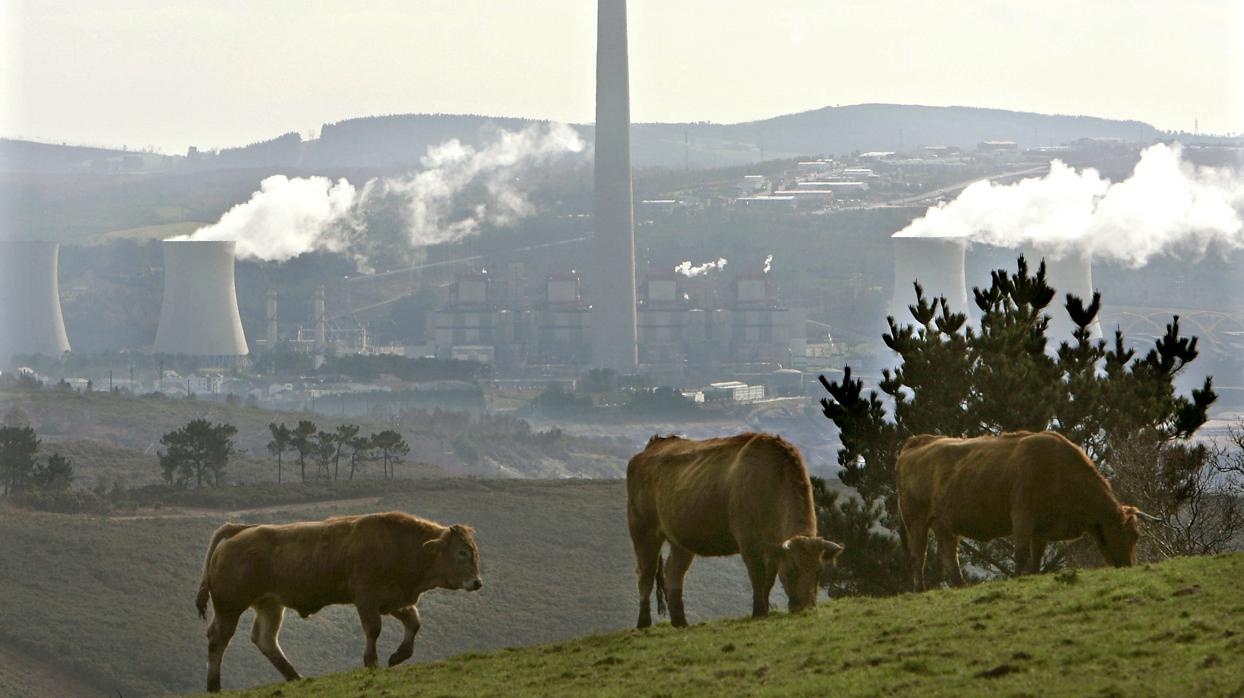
x,y
1071,272
937,263
199,311
30,317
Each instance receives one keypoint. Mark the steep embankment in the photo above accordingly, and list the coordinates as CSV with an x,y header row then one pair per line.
x,y
1175,628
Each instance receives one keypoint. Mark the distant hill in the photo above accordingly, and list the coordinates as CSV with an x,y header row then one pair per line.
x,y
399,141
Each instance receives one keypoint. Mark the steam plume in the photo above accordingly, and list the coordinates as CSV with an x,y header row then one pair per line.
x,y
691,272
1166,206
290,216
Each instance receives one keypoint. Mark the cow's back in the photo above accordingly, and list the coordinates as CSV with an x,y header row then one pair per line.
x,y
305,566
973,485
705,495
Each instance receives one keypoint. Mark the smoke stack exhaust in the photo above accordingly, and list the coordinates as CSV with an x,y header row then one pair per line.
x,y
30,315
615,342
199,310
937,263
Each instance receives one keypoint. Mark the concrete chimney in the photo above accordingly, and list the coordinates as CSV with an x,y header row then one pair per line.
x,y
199,310
1071,272
615,342
937,263
321,320
270,310
30,316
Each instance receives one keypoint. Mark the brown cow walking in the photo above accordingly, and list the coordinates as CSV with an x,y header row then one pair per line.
x,y
747,494
1035,487
381,563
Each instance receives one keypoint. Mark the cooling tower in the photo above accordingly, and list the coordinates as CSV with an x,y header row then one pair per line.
x,y
614,334
937,263
30,317
1070,273
199,311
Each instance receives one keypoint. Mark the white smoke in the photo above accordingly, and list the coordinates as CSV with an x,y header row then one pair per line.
x,y
291,216
693,271
768,263
1166,206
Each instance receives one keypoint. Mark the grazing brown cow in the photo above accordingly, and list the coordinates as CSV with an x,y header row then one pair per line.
x,y
381,563
747,494
1034,487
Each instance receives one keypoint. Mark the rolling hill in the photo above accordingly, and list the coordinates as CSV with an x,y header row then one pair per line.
x,y
401,140
1169,629
108,602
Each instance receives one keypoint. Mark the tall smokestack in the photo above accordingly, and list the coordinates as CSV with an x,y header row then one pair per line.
x,y
30,317
321,319
614,334
270,309
1070,272
937,263
199,310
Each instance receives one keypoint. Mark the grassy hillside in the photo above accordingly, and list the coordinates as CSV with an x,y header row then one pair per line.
x,y
109,601
1171,629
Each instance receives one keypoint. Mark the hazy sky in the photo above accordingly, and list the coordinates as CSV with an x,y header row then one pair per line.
x,y
171,73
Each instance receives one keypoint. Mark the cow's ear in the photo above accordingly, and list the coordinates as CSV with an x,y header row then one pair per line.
x,y
434,547
779,551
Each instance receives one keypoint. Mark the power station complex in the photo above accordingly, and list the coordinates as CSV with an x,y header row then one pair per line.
x,y
663,325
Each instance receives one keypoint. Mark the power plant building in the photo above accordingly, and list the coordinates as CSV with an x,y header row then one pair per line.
x,y
1072,273
30,313
199,309
937,264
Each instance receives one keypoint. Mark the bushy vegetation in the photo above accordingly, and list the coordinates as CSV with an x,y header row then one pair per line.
x,y
1169,629
998,376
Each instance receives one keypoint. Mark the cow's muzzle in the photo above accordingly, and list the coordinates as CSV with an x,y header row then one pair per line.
x,y
475,584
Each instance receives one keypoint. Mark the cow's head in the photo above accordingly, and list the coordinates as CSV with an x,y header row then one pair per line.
x,y
800,559
454,559
1116,537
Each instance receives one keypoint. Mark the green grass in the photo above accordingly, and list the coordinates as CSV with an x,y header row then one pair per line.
x,y
1169,629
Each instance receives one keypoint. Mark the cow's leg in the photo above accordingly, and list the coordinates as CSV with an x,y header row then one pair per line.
x,y
948,551
370,618
917,550
1036,554
647,560
675,572
762,573
409,617
219,632
1022,538
268,617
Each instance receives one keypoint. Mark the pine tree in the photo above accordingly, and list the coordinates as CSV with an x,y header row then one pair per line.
x,y
961,380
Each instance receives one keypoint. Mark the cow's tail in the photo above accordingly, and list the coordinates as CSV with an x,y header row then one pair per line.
x,y
660,585
225,532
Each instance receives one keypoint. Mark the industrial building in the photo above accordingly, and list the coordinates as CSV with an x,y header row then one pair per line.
x,y
30,313
199,309
937,264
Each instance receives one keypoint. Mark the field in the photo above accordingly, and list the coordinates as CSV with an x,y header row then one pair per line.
x,y
452,441
107,602
1169,629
